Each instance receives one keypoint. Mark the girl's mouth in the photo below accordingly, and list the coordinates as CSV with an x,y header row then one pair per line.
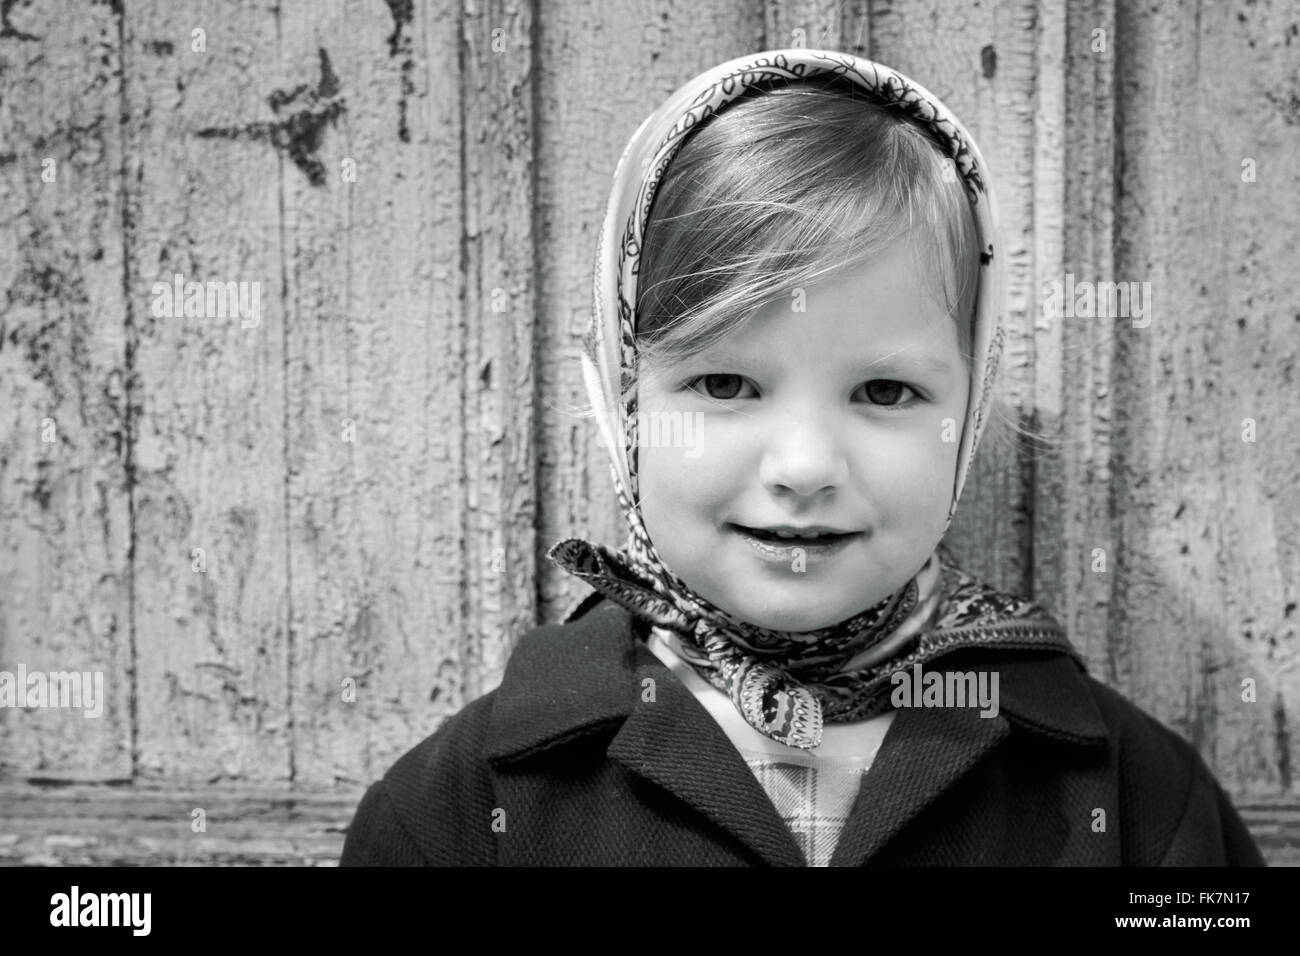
x,y
787,537
782,549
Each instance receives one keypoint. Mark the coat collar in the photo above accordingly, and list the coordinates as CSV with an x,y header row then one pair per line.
x,y
592,679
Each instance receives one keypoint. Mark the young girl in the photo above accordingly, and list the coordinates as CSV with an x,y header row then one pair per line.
x,y
798,283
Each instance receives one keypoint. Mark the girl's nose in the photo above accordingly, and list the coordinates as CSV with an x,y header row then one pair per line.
x,y
802,456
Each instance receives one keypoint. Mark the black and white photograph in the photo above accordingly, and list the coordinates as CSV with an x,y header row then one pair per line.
x,y
636,435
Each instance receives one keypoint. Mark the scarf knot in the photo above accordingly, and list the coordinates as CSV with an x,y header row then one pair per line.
x,y
772,677
769,700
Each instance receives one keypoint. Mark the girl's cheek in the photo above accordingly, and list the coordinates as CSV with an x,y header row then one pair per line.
x,y
706,471
917,468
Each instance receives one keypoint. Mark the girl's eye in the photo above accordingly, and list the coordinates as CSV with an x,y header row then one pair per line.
x,y
887,392
884,392
721,386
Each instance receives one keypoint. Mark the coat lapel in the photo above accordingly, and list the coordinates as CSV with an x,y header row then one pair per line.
x,y
563,682
924,753
674,743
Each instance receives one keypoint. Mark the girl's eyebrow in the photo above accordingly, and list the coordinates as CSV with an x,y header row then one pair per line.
x,y
929,363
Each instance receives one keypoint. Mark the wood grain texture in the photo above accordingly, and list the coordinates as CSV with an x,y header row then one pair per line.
x,y
1083,572
500,70
208,395
251,826
1205,518
65,447
143,826
382,413
816,24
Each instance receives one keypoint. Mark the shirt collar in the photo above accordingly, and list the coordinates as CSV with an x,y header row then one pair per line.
x,y
569,682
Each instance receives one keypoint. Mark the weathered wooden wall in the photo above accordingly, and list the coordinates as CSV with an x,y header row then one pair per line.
x,y
233,523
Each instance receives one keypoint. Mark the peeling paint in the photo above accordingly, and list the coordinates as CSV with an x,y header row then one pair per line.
x,y
1282,743
989,61
399,44
300,132
7,30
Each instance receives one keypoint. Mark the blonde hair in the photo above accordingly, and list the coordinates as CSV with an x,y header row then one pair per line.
x,y
787,185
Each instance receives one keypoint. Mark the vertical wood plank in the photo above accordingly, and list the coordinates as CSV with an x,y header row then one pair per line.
x,y
1047,93
207,152
1206,512
379,391
64,459
1081,566
500,70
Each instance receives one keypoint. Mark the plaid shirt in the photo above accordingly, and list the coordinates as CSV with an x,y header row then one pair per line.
x,y
812,797
812,791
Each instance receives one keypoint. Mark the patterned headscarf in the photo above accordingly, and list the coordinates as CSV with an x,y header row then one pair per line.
x,y
787,684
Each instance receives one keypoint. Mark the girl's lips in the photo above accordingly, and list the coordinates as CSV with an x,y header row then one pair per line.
x,y
788,551
787,533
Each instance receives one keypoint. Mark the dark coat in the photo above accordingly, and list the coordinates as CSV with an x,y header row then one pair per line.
x,y
572,760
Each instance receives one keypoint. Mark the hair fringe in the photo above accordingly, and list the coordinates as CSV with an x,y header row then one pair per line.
x,y
760,199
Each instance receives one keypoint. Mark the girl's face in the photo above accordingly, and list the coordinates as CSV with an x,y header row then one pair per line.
x,y
845,416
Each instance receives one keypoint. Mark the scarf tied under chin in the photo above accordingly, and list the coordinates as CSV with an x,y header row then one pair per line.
x,y
788,685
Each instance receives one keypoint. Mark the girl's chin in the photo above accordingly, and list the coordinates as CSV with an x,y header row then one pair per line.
x,y
795,613
795,619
